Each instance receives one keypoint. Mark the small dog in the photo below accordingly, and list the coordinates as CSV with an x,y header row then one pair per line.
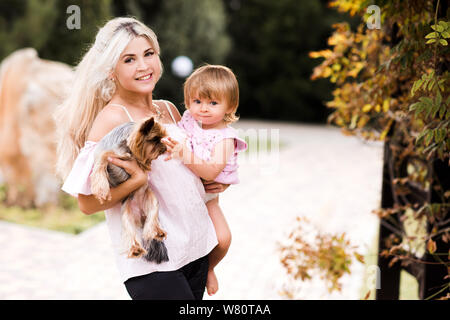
x,y
142,142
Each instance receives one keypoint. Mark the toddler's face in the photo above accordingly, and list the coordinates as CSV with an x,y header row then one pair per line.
x,y
210,112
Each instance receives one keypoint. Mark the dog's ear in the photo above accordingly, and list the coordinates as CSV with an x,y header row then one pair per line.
x,y
147,125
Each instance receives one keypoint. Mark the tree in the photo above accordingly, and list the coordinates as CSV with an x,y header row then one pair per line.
x,y
392,84
271,42
42,25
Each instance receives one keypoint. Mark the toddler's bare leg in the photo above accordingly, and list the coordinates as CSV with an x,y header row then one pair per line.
x,y
224,238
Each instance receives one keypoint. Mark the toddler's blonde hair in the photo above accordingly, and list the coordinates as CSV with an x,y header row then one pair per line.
x,y
214,82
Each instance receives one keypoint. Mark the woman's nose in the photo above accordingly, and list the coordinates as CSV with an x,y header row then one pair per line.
x,y
141,65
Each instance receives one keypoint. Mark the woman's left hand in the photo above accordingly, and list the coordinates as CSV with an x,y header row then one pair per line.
x,y
214,187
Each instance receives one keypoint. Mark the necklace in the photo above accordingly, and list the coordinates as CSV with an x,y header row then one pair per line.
x,y
158,111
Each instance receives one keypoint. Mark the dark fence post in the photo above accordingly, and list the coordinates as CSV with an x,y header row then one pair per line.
x,y
429,273
433,277
390,276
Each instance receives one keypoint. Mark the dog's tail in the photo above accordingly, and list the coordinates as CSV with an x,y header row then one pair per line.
x,y
156,251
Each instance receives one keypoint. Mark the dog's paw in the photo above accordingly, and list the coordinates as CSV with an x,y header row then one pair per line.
x,y
160,234
103,195
136,251
100,188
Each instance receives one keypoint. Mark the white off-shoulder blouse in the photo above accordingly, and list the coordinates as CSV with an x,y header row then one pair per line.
x,y
182,211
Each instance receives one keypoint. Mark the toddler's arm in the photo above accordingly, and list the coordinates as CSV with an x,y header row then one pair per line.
x,y
207,170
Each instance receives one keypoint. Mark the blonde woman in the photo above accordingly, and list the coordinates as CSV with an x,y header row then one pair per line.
x,y
113,84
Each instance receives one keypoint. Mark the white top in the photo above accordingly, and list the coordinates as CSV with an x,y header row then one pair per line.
x,y
182,211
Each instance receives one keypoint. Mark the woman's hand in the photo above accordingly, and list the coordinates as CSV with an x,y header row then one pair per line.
x,y
214,187
137,175
89,204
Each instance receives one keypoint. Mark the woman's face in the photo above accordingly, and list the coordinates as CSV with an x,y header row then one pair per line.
x,y
138,68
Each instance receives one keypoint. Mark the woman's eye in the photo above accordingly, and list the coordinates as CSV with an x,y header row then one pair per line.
x,y
128,60
149,53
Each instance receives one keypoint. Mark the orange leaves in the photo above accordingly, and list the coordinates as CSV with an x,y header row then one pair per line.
x,y
308,252
356,68
351,6
359,257
357,102
397,76
386,130
431,246
327,53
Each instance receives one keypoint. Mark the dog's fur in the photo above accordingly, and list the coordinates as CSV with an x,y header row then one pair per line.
x,y
142,142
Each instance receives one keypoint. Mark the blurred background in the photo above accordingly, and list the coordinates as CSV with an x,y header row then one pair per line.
x,y
266,43
333,179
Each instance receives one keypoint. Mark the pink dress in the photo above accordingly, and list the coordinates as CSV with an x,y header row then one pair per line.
x,y
182,211
202,142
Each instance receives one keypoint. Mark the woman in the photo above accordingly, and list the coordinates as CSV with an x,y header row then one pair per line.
x,y
114,84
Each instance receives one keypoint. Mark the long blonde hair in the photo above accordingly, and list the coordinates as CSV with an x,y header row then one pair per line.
x,y
92,88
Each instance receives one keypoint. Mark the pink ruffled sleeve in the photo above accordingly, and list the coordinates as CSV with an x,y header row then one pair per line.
x,y
78,179
240,144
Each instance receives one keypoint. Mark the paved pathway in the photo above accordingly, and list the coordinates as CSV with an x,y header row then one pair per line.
x,y
332,179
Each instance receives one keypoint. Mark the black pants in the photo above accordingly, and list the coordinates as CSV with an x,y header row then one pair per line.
x,y
186,283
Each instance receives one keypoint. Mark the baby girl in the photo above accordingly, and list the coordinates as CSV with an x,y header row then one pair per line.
x,y
211,97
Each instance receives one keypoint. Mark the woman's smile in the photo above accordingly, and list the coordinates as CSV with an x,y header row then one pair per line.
x,y
146,77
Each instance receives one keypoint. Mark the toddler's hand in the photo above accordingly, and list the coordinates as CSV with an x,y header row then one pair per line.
x,y
174,148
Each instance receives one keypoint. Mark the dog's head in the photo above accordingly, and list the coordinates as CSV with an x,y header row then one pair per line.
x,y
145,142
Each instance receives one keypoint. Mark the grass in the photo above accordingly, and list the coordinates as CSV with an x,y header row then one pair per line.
x,y
65,218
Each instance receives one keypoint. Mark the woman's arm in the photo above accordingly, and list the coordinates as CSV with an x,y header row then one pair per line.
x,y
107,120
89,204
214,187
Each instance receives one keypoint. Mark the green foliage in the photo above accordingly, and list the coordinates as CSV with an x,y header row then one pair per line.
x,y
435,112
271,41
265,42
396,80
441,32
193,28
65,218
41,24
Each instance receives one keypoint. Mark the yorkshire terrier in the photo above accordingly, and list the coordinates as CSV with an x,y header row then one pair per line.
x,y
142,142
